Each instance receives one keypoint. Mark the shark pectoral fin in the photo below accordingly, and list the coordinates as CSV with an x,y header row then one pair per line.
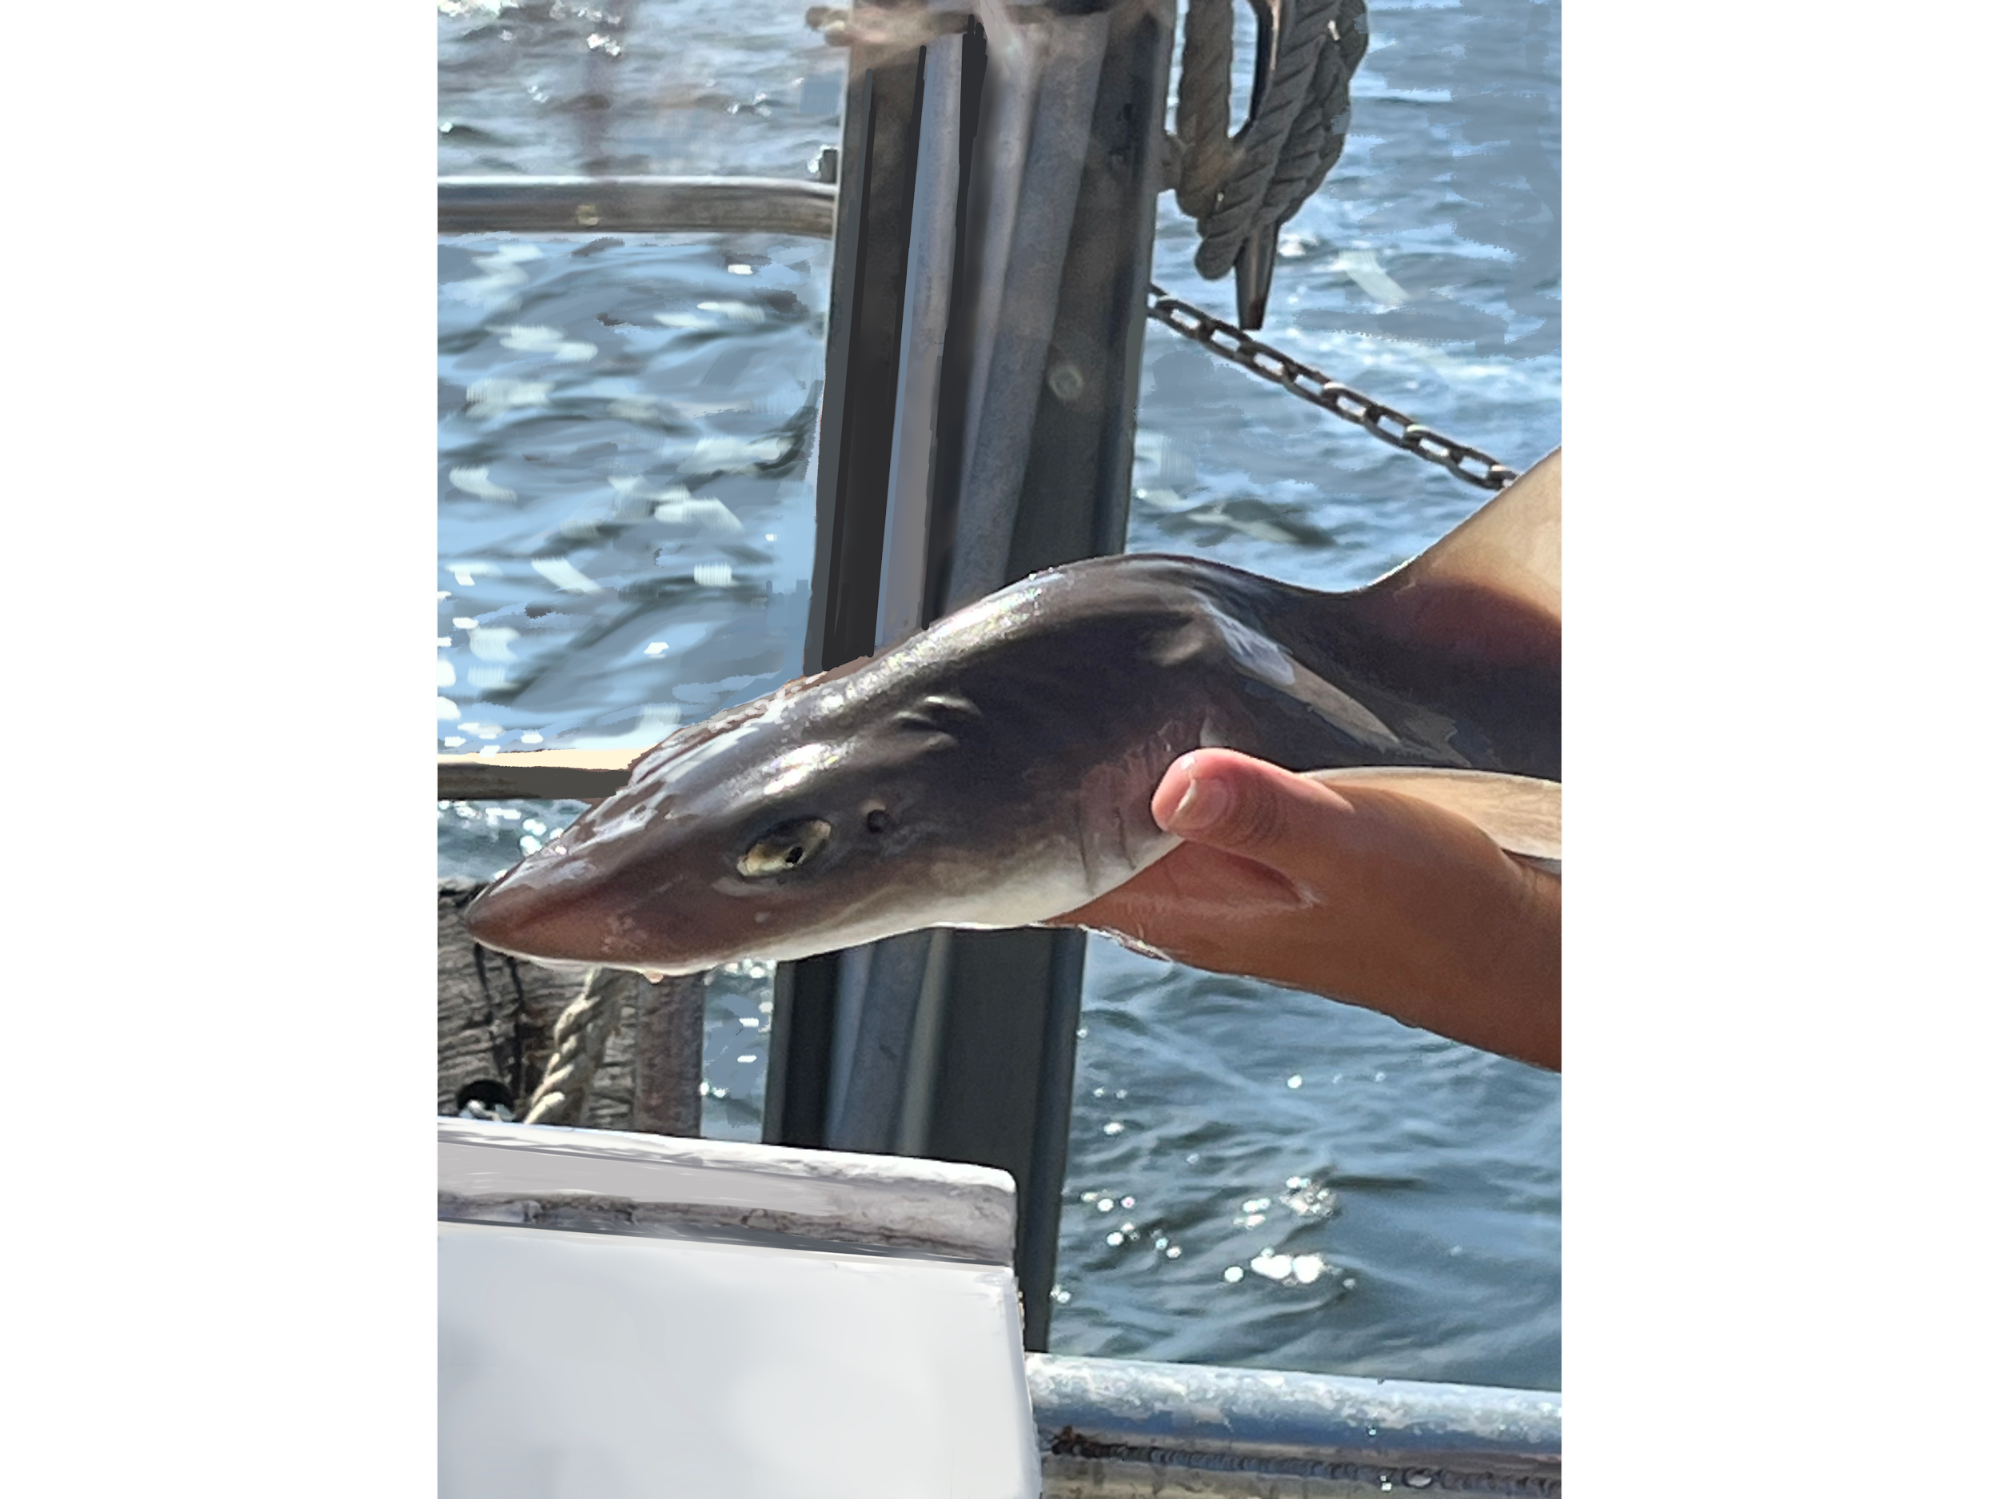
x,y
1521,814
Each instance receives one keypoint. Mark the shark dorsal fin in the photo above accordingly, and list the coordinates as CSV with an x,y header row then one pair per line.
x,y
1491,590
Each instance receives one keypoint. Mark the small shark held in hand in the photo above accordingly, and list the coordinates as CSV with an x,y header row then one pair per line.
x,y
997,769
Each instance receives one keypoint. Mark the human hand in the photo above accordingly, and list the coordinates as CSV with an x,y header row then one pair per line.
x,y
1360,894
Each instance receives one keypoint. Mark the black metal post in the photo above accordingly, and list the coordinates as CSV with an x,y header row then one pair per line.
x,y
962,1045
863,337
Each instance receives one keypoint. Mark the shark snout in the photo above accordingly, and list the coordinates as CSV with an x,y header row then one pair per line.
x,y
616,903
521,915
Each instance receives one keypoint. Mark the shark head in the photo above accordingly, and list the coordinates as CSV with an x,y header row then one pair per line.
x,y
835,811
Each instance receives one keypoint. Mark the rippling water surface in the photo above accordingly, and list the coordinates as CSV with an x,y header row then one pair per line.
x,y
625,536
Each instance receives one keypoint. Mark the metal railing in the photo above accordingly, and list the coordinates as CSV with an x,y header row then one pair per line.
x,y
634,205
1134,1427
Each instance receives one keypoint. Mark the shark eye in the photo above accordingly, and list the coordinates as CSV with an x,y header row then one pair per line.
x,y
785,847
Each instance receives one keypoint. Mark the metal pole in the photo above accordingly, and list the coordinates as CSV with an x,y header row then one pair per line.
x,y
863,347
982,377
1018,283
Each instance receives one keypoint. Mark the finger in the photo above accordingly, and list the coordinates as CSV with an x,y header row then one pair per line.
x,y
1227,800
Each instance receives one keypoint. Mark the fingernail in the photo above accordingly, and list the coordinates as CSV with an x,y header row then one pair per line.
x,y
1204,804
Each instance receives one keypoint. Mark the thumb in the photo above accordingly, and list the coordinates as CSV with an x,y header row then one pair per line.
x,y
1227,800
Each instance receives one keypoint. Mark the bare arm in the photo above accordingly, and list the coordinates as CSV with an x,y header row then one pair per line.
x,y
1360,894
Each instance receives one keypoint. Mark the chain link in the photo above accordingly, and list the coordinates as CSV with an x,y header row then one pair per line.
x,y
1385,422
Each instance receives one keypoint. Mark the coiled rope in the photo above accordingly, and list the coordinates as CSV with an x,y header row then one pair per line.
x,y
1240,188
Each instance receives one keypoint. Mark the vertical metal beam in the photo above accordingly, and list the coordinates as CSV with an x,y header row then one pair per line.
x,y
1006,1062
926,320
863,353
1019,281
1004,1073
1076,487
874,1084
1005,424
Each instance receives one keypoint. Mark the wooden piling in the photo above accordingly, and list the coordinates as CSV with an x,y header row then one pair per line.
x,y
495,1032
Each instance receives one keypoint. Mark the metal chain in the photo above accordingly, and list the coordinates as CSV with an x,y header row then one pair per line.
x,y
1385,422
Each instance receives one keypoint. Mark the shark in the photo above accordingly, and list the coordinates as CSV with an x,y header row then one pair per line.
x,y
996,769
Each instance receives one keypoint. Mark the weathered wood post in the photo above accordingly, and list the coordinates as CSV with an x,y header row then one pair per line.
x,y
498,1021
667,1035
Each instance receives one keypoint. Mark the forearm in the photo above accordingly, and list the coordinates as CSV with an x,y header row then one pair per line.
x,y
1363,895
1495,981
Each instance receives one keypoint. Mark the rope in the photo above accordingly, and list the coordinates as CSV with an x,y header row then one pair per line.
x,y
582,1032
1206,59
1237,187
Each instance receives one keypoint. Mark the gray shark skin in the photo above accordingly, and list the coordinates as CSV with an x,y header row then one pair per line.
x,y
997,769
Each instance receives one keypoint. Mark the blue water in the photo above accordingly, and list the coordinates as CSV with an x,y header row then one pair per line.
x,y
1256,1177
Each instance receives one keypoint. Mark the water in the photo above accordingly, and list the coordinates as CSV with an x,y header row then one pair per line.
x,y
625,543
